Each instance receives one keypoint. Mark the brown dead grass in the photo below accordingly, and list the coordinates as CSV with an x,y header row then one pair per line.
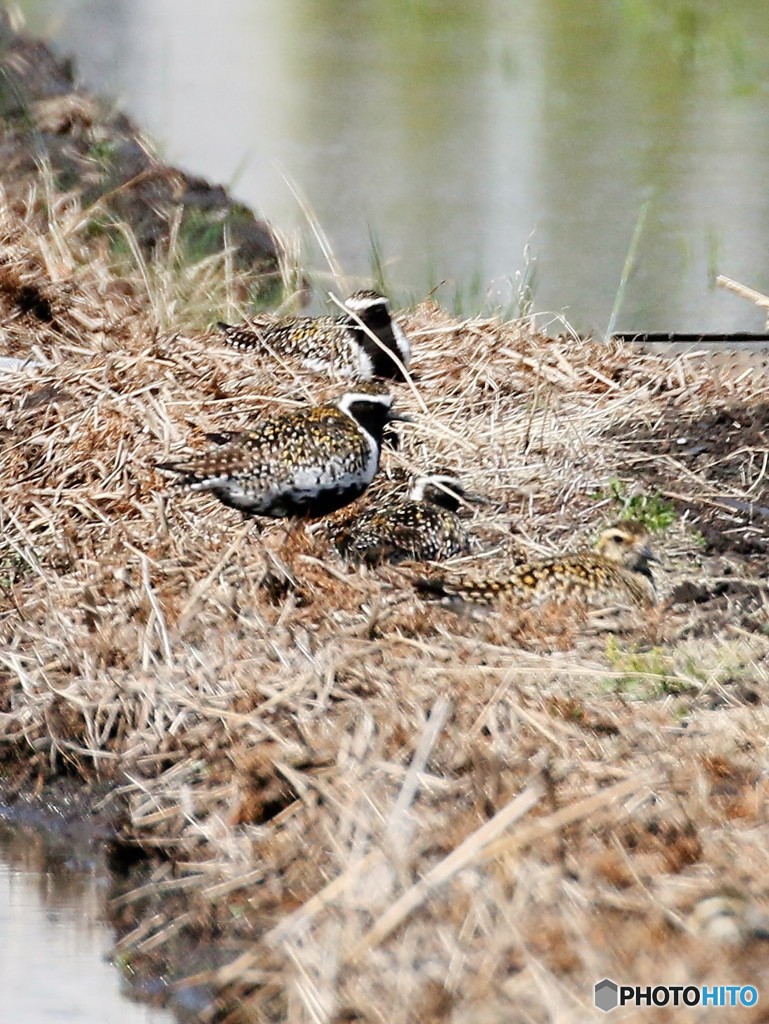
x,y
362,807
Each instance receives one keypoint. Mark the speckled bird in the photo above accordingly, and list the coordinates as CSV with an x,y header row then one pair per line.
x,y
422,527
306,463
616,572
340,345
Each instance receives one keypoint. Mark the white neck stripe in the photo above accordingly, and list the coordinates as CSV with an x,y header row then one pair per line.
x,y
449,482
363,304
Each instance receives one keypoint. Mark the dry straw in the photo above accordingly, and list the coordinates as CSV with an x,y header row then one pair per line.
x,y
382,810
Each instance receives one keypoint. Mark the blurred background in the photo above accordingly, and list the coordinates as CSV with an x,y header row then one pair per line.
x,y
491,150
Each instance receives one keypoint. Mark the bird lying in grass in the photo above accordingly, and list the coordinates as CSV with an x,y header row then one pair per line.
x,y
422,527
617,571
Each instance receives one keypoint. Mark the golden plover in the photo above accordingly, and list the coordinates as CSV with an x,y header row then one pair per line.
x,y
305,463
423,527
340,345
615,572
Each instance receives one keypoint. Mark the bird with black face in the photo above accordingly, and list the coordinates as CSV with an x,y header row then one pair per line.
x,y
616,572
362,343
307,463
423,526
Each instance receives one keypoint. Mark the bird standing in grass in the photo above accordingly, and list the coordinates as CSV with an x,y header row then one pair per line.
x,y
422,527
615,572
307,463
359,344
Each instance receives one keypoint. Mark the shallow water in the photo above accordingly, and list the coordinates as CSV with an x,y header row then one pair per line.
x,y
53,965
457,133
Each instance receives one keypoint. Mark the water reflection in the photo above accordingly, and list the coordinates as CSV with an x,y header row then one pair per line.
x,y
53,965
452,131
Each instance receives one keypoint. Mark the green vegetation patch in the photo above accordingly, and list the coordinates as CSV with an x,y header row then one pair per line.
x,y
652,509
645,674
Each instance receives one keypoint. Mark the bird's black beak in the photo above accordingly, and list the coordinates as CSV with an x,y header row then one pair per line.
x,y
399,417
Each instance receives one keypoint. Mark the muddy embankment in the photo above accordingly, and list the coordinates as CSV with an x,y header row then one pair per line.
x,y
55,134
57,139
